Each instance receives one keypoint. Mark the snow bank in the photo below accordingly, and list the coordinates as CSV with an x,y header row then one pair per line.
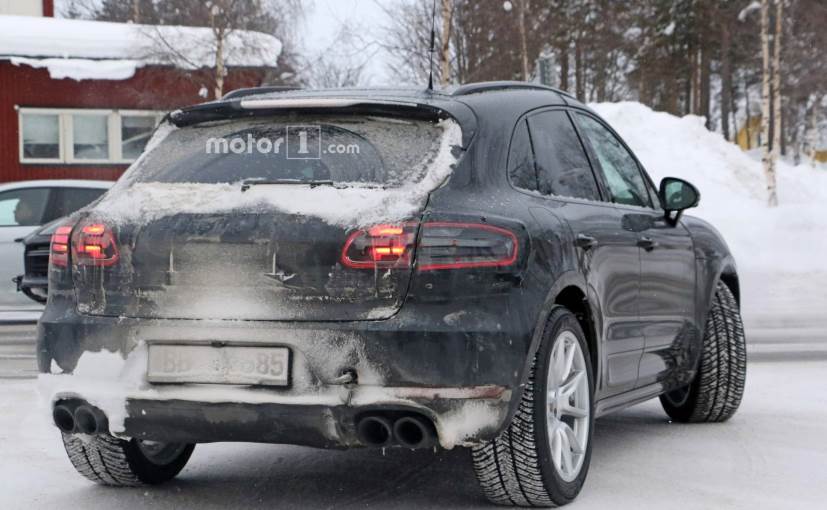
x,y
352,206
790,238
80,49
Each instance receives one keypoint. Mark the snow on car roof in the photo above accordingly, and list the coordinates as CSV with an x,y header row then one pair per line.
x,y
82,49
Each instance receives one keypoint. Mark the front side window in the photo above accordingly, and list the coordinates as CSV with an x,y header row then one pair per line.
x,y
23,207
90,137
563,169
41,136
135,133
620,169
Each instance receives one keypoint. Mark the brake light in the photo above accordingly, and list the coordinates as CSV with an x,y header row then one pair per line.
x,y
59,251
380,247
442,245
449,245
93,244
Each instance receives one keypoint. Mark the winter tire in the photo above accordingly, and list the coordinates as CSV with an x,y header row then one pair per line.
x,y
542,458
715,393
108,460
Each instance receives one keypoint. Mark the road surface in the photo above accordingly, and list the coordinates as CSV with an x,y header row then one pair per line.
x,y
771,455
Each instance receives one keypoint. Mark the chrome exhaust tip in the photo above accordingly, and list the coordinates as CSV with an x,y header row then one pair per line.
x,y
64,419
375,431
90,420
413,432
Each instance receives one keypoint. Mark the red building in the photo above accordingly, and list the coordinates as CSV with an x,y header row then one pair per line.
x,y
78,99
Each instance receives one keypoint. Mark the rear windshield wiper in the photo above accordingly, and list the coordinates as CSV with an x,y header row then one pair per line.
x,y
247,184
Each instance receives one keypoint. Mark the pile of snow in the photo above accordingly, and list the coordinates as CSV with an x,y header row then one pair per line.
x,y
787,239
80,49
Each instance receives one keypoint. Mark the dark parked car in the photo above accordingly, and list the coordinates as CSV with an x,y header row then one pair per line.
x,y
487,267
34,283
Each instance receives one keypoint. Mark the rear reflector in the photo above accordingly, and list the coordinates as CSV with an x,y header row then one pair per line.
x,y
448,245
442,245
93,244
59,252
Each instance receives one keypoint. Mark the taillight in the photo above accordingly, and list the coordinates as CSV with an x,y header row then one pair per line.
x,y
449,245
442,245
59,251
93,244
380,247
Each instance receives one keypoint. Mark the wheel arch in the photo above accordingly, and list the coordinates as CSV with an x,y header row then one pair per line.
x,y
570,290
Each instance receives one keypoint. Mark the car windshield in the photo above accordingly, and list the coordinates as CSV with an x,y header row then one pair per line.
x,y
354,150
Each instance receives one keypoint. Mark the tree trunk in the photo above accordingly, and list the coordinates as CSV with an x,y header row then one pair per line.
x,y
776,82
747,128
705,76
219,64
445,53
813,138
579,86
564,65
726,76
768,158
523,43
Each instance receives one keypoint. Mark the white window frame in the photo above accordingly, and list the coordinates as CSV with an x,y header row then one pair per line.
x,y
66,135
60,147
117,155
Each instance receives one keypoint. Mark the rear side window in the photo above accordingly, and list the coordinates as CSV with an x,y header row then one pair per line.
x,y
562,166
521,169
620,170
388,152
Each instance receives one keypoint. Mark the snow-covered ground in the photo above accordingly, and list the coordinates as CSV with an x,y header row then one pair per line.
x,y
780,251
772,454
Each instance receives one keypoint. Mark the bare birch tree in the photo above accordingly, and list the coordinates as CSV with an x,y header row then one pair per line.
x,y
769,155
445,36
522,8
776,99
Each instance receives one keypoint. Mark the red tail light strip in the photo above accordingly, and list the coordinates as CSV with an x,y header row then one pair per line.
x,y
442,245
59,252
501,254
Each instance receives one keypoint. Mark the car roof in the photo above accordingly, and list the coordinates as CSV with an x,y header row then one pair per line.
x,y
496,104
57,183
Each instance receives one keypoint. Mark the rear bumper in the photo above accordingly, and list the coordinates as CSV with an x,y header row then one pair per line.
x,y
460,370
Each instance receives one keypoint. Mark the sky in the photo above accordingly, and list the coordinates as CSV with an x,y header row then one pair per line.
x,y
324,20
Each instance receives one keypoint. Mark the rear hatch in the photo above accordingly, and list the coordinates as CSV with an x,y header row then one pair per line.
x,y
265,218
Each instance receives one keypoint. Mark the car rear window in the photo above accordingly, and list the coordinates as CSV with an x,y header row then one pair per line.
x,y
355,150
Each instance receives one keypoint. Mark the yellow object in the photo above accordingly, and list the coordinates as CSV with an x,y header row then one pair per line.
x,y
749,136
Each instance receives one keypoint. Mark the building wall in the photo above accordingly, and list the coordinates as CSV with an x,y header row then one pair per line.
x,y
22,7
152,88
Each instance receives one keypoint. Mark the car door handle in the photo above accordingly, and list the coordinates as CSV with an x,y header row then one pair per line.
x,y
647,243
585,241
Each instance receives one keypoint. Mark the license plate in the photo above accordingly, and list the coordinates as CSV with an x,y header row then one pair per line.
x,y
269,366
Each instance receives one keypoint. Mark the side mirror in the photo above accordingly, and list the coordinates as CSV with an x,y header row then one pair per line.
x,y
677,195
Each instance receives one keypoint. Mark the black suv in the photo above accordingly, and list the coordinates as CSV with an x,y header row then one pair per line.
x,y
487,267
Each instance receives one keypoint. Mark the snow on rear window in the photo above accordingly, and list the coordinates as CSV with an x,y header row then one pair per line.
x,y
344,150
141,196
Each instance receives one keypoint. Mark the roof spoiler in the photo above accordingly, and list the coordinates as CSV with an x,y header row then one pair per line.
x,y
249,107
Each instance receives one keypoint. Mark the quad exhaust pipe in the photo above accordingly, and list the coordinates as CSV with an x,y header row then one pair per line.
x,y
73,417
408,431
